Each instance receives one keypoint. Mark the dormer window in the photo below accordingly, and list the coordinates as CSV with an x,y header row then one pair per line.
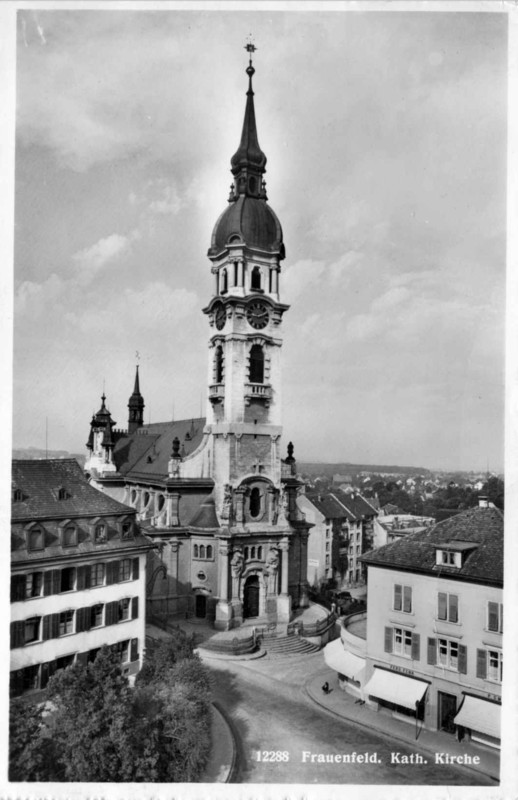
x,y
62,493
99,530
18,496
69,535
453,554
126,530
35,539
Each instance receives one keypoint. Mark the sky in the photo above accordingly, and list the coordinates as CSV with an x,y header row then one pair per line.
x,y
385,135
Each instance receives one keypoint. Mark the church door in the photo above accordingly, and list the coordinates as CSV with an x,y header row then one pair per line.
x,y
251,597
201,606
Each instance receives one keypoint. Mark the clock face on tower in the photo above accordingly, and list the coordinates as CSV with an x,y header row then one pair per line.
x,y
220,317
257,315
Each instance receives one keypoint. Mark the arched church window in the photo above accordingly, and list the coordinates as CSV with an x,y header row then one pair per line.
x,y
161,502
218,364
247,552
255,504
252,552
256,278
202,551
224,281
236,265
209,551
195,551
260,552
252,184
256,364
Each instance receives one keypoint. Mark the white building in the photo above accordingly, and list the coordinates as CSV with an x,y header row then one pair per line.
x,y
429,649
78,567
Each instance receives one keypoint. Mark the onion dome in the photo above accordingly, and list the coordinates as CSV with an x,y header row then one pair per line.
x,y
248,220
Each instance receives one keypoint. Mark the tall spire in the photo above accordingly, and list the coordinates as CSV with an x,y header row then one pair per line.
x,y
136,407
249,162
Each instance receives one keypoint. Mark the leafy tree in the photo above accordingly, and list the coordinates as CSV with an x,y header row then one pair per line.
x,y
164,655
31,750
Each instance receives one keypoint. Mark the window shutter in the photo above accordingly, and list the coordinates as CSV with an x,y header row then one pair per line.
x,y
112,572
407,598
454,608
397,597
17,634
463,659
442,605
56,581
54,626
388,640
80,578
501,616
134,650
48,583
134,608
416,646
135,569
111,614
481,664
46,632
82,620
432,651
17,588
492,616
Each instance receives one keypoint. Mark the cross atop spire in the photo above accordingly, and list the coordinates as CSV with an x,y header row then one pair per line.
x,y
248,162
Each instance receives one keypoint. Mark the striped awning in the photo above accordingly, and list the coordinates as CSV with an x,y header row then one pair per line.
x,y
479,715
396,688
343,661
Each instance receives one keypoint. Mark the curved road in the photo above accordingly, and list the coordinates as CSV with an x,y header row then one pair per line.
x,y
271,713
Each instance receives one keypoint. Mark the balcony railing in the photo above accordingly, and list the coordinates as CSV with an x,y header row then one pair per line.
x,y
216,392
258,391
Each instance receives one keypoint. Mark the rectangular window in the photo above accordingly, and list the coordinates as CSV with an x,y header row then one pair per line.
x,y
32,630
66,622
123,609
33,584
125,570
122,650
448,558
97,575
403,642
96,615
68,579
494,666
403,598
495,617
127,531
327,546
448,653
448,607
100,535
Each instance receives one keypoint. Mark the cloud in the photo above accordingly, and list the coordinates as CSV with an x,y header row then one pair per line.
x,y
110,248
33,299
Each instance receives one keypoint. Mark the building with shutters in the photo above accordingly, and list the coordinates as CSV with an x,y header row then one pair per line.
x,y
214,493
78,566
431,644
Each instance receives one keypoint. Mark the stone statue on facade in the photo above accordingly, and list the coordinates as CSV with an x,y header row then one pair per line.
x,y
226,510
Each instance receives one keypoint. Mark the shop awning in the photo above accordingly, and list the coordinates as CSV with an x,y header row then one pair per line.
x,y
342,661
396,688
479,715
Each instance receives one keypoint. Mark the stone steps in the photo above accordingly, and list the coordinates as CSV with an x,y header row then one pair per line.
x,y
287,645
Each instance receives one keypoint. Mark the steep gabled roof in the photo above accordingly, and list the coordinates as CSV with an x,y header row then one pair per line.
x,y
329,506
355,504
147,451
482,528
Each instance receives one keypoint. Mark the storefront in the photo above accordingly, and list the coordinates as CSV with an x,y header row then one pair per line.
x,y
479,719
350,667
402,695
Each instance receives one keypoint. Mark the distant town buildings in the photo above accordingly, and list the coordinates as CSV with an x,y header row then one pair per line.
x,y
78,567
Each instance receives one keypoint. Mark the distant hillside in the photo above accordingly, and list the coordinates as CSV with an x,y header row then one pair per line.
x,y
36,453
315,468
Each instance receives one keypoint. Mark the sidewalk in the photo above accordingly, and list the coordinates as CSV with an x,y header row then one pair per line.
x,y
343,705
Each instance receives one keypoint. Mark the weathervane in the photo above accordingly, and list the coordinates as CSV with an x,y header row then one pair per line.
x,y
250,47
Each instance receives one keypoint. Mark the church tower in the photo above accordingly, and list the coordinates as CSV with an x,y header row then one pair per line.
x,y
244,384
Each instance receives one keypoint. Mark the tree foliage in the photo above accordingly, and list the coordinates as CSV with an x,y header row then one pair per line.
x,y
100,729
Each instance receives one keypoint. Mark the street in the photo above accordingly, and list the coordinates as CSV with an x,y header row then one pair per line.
x,y
281,733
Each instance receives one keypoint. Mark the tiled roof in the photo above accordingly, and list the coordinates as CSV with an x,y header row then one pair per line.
x,y
329,506
483,527
38,482
355,503
147,451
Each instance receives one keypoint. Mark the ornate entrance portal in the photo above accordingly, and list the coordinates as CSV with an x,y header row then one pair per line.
x,y
251,597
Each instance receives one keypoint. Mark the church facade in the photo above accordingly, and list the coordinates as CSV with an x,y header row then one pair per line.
x,y
214,494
